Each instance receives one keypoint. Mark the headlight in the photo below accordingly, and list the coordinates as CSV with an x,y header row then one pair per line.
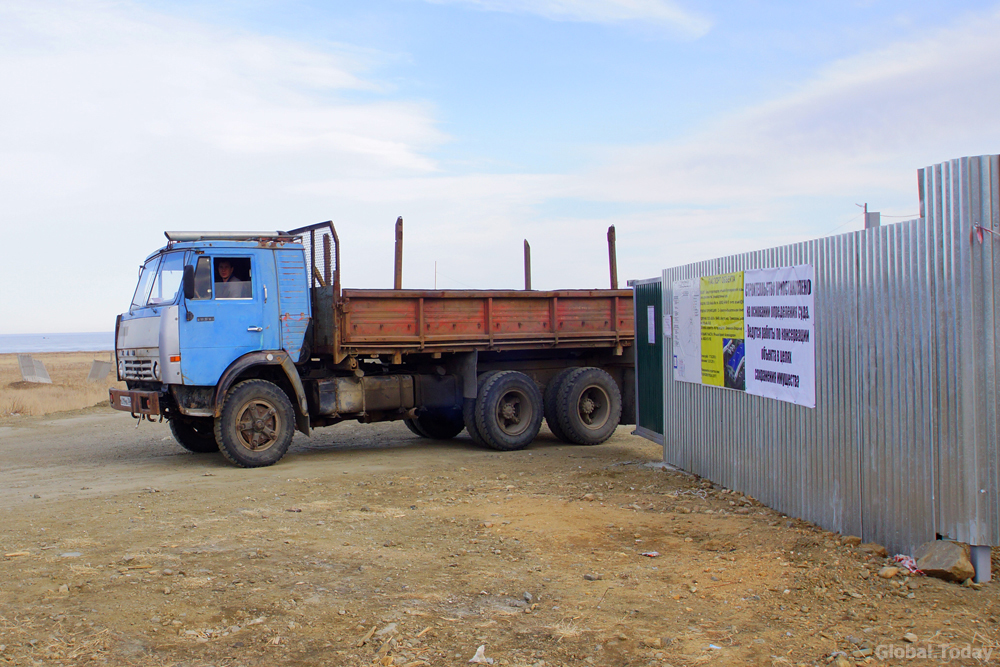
x,y
121,368
156,370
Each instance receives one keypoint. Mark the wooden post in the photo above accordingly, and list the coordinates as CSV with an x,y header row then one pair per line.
x,y
527,265
613,257
398,274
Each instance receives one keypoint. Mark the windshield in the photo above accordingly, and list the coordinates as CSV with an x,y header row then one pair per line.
x,y
145,280
168,279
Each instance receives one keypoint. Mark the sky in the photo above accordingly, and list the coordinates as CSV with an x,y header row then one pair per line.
x,y
697,129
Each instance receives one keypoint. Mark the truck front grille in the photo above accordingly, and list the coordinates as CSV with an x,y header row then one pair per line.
x,y
139,369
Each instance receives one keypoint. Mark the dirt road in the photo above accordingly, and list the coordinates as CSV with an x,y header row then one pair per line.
x,y
368,545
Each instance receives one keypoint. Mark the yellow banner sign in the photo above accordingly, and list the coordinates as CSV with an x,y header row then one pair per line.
x,y
722,329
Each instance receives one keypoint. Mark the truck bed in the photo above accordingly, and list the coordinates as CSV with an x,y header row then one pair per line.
x,y
409,321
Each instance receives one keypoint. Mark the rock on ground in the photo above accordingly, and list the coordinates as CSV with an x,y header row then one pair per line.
x,y
945,560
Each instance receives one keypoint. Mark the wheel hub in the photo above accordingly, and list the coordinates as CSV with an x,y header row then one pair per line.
x,y
257,425
593,407
513,412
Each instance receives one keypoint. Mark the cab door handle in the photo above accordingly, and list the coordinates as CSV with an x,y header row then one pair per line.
x,y
254,329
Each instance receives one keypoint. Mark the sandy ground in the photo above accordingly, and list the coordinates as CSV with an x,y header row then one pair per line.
x,y
69,389
368,545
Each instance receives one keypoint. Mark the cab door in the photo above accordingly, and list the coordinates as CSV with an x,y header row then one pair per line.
x,y
227,319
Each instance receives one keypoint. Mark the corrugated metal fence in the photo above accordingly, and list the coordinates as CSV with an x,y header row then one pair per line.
x,y
902,443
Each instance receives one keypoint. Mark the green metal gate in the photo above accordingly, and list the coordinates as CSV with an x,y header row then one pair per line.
x,y
649,358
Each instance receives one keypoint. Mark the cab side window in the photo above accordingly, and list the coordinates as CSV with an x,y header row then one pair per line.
x,y
233,279
203,278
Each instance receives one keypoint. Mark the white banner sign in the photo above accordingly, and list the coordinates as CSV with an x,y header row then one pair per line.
x,y
687,331
780,334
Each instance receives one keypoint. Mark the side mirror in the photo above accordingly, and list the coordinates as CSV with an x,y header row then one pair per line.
x,y
188,282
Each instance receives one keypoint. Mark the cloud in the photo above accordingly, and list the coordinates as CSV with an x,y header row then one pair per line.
x,y
119,122
107,78
660,12
859,127
786,170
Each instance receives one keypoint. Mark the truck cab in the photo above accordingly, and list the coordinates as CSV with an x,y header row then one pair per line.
x,y
209,306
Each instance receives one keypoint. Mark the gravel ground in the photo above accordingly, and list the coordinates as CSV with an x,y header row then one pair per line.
x,y
368,545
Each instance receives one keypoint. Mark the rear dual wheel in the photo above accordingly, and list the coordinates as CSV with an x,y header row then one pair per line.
x,y
437,423
551,395
469,410
508,410
587,406
412,425
195,434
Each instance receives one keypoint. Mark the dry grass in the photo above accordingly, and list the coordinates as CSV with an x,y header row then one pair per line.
x,y
69,389
565,630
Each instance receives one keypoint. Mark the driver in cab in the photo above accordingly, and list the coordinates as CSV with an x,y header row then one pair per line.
x,y
229,285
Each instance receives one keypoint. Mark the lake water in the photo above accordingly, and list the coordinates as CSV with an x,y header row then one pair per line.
x,y
57,342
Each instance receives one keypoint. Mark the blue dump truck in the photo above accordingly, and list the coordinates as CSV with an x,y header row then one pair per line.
x,y
239,339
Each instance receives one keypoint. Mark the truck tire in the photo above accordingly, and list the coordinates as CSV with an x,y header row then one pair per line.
x,y
551,395
469,410
195,434
509,411
588,406
415,428
257,424
440,424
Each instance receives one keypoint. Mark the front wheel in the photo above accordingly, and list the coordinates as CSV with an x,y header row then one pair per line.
x,y
257,424
195,434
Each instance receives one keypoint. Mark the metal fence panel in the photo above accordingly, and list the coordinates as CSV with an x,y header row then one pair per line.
x,y
785,455
960,198
897,347
902,443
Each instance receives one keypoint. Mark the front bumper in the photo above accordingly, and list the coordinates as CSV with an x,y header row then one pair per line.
x,y
137,402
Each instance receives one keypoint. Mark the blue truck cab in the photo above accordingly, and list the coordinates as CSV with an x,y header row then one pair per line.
x,y
213,309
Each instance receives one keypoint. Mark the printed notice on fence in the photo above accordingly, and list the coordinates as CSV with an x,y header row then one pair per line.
x,y
687,331
779,328
722,330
